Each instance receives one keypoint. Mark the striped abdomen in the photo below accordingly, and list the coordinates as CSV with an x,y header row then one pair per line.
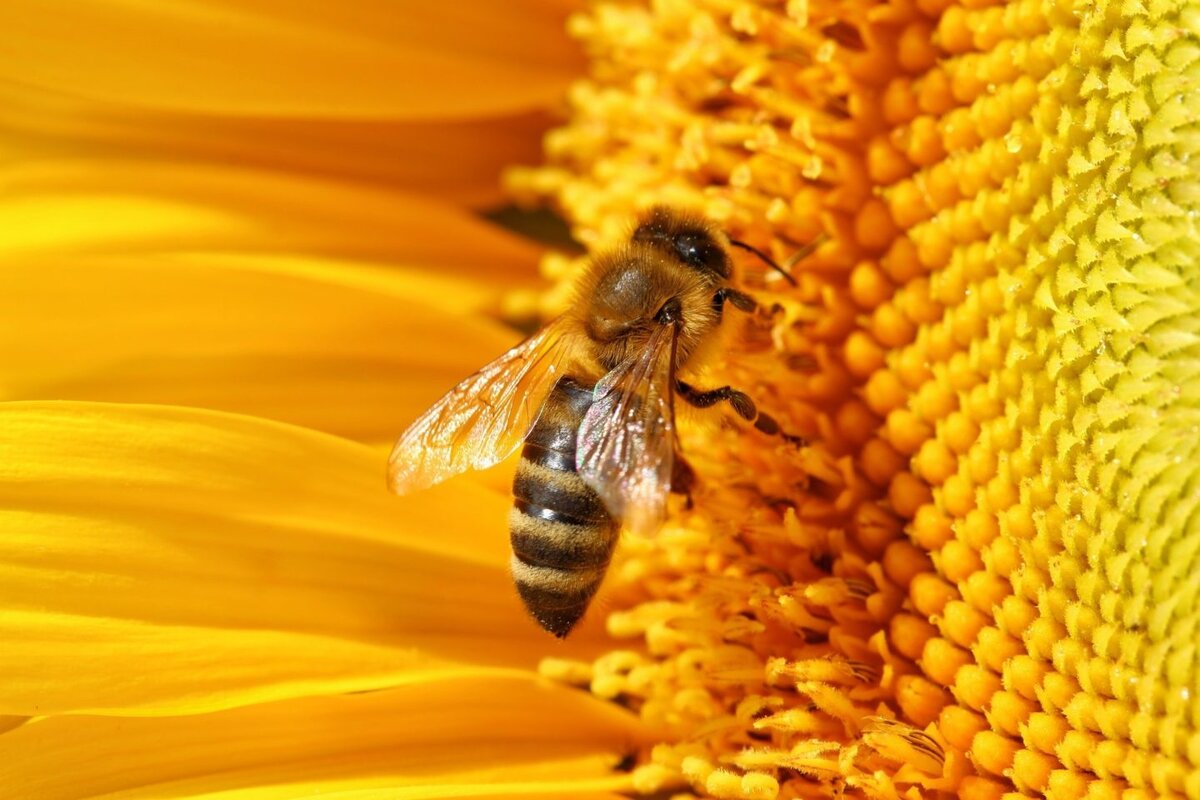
x,y
562,536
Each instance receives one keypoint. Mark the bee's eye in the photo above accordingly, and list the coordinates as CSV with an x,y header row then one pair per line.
x,y
688,247
694,247
699,252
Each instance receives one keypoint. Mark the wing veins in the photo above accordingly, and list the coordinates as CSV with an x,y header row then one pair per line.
x,y
485,417
626,444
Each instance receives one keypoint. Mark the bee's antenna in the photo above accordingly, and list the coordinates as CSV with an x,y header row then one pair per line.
x,y
807,250
766,259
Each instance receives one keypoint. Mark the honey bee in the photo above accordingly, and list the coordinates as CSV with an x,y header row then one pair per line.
x,y
592,398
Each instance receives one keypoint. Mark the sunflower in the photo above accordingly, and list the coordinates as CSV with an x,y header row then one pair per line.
x,y
242,249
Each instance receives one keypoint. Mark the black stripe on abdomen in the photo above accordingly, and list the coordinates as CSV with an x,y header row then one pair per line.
x,y
555,495
562,536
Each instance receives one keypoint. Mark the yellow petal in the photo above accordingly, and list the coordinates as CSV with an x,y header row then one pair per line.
x,y
331,345
270,58
457,160
477,735
549,788
163,560
8,723
119,206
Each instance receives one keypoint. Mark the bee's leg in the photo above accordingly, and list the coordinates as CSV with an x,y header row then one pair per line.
x,y
742,405
683,477
739,300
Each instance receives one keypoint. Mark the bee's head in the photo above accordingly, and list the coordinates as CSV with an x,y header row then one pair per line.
x,y
686,238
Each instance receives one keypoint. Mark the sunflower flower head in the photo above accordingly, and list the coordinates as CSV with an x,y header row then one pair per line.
x,y
980,578
225,225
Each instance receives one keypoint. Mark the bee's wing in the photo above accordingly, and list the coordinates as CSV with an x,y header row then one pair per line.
x,y
483,420
627,440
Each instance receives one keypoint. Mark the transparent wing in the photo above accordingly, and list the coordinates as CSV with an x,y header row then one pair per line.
x,y
626,442
483,420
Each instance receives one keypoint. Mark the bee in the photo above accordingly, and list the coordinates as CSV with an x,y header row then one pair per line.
x,y
590,398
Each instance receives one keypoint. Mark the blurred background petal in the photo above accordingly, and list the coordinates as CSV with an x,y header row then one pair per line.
x,y
459,160
124,206
337,346
371,59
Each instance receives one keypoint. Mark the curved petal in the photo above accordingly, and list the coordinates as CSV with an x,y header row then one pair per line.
x,y
8,723
163,560
406,60
456,160
123,206
332,345
549,788
553,786
467,737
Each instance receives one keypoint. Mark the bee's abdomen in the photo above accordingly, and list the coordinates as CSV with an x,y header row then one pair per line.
x,y
562,536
